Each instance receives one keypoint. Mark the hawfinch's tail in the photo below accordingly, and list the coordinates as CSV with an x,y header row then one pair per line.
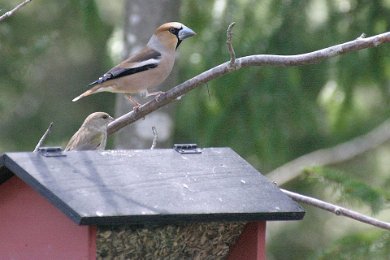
x,y
91,91
86,93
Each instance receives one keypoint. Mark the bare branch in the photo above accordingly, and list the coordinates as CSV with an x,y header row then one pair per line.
x,y
229,44
43,138
337,210
339,153
252,60
10,13
155,138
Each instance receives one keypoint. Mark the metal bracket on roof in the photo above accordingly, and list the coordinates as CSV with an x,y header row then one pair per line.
x,y
51,151
187,148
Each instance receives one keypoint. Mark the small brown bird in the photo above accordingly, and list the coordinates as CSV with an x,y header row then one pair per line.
x,y
146,68
92,134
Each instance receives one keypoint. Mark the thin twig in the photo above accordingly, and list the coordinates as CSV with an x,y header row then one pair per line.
x,y
11,12
339,153
43,138
155,138
337,210
248,61
229,44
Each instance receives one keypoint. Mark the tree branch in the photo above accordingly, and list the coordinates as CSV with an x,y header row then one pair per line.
x,y
337,209
339,153
252,60
229,45
347,150
155,137
10,13
43,138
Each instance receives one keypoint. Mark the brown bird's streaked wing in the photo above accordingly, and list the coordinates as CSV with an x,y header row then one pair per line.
x,y
86,141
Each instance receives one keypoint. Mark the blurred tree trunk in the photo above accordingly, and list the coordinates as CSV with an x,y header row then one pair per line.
x,y
141,19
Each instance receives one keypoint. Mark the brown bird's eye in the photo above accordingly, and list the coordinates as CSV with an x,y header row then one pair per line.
x,y
104,116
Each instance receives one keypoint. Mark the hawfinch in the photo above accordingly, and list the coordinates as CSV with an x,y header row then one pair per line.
x,y
146,68
92,134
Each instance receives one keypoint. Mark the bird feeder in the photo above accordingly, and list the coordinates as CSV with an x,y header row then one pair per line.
x,y
176,203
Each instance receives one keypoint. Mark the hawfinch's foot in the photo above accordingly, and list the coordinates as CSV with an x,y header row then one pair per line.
x,y
156,94
133,102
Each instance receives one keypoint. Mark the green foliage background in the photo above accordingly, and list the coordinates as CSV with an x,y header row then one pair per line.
x,y
270,114
51,50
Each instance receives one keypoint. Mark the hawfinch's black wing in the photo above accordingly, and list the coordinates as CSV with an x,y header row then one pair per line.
x,y
146,59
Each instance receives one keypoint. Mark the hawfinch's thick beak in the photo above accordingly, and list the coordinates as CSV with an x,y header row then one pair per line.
x,y
185,32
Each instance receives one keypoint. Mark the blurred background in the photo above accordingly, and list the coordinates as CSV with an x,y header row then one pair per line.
x,y
51,50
